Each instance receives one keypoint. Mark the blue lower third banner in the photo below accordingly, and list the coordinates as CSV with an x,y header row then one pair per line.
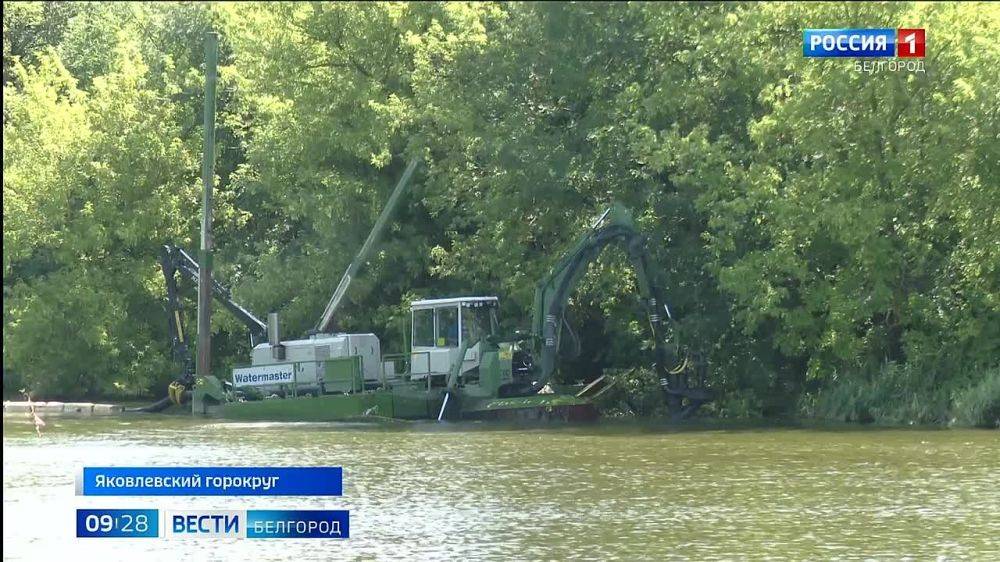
x,y
117,523
210,481
258,524
297,524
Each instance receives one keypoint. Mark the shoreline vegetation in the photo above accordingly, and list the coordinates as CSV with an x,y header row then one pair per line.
x,y
877,403
885,400
828,240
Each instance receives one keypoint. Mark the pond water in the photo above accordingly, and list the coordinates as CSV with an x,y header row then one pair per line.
x,y
607,491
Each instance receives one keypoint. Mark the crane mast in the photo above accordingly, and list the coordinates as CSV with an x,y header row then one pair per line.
x,y
326,321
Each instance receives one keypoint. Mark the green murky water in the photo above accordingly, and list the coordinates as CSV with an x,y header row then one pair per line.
x,y
603,492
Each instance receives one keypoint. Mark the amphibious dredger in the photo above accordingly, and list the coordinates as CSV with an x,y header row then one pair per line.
x,y
458,366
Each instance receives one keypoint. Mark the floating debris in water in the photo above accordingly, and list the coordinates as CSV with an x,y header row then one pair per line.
x,y
33,415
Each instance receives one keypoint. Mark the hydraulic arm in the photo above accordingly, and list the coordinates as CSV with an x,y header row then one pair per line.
x,y
552,293
175,260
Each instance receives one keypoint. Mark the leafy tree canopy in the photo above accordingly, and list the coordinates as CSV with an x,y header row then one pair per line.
x,y
813,225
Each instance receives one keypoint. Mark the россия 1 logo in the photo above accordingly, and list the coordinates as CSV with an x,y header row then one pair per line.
x,y
864,43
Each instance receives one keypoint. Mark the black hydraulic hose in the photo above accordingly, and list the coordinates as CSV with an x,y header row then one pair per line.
x,y
577,347
158,406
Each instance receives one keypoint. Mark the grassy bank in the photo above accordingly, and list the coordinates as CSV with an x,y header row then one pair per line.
x,y
900,395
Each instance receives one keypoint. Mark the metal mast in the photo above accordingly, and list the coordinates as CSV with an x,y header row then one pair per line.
x,y
207,178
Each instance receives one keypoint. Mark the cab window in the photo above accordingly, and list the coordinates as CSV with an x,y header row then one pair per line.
x,y
423,328
475,323
447,327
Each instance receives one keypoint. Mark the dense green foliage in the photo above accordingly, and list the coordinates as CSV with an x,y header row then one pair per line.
x,y
829,239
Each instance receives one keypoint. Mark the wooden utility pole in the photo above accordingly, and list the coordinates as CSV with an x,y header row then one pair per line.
x,y
203,365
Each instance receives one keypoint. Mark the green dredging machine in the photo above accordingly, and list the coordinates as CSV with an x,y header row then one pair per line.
x,y
459,366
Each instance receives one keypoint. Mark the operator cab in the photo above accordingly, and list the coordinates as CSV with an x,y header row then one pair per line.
x,y
441,326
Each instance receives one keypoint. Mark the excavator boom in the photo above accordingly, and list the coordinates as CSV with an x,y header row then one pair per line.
x,y
552,294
